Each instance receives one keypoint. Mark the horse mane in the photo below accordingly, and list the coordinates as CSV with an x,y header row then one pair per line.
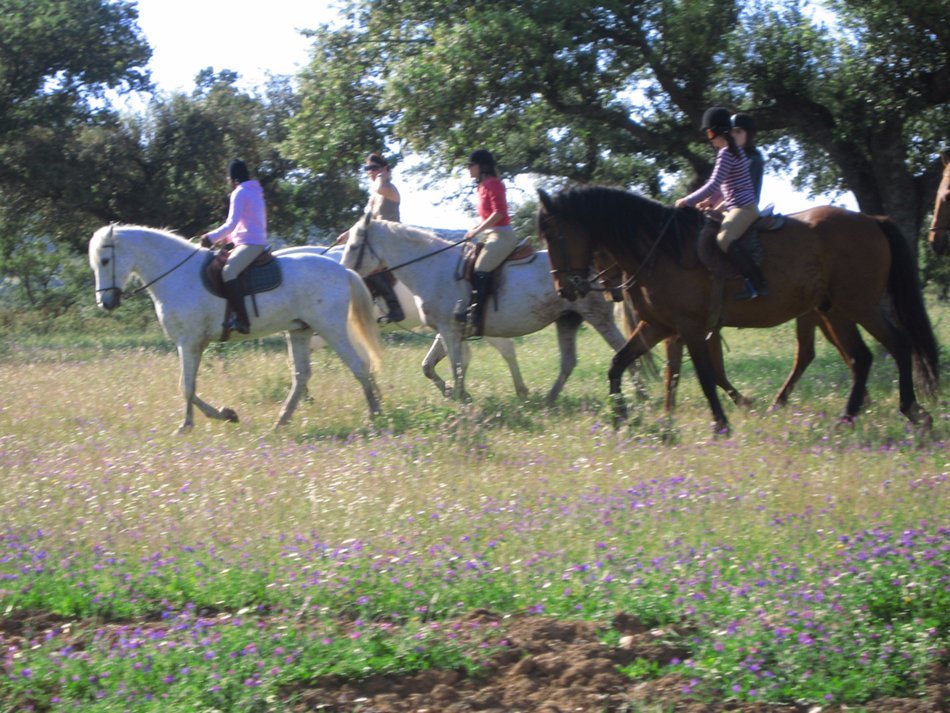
x,y
120,228
404,229
625,221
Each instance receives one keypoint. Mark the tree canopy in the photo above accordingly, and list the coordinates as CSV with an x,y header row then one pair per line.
x,y
852,98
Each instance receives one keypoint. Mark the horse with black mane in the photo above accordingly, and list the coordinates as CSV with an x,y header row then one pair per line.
x,y
855,269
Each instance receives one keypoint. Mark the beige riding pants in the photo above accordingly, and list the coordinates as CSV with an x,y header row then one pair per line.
x,y
735,223
499,242
241,256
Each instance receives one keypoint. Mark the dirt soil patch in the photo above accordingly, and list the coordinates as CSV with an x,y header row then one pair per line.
x,y
554,666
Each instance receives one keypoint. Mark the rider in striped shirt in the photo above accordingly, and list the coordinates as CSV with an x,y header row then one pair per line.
x,y
730,186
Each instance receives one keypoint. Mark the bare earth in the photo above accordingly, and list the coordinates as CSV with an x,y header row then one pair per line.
x,y
554,666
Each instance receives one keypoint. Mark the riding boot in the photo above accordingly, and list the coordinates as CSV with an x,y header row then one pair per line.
x,y
239,322
481,284
382,284
754,280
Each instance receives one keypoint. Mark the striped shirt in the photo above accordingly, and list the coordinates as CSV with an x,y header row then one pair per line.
x,y
731,179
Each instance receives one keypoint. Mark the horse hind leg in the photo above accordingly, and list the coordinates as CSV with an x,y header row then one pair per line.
x,y
567,325
896,340
298,347
506,348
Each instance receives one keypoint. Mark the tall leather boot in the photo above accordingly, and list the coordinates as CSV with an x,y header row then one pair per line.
x,y
754,280
481,285
382,284
239,322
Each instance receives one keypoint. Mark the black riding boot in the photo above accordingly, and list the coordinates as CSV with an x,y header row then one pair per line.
x,y
754,281
382,284
473,316
239,322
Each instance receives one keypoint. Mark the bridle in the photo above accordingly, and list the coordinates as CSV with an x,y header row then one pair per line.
x,y
576,277
121,294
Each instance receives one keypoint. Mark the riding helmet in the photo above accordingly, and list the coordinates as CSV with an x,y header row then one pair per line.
x,y
743,121
482,157
717,120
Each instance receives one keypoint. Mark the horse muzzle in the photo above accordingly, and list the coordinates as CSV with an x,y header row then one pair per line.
x,y
110,298
574,287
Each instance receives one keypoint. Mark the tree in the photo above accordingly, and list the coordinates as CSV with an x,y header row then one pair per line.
x,y
615,91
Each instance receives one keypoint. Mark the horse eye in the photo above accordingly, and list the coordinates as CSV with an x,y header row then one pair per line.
x,y
105,261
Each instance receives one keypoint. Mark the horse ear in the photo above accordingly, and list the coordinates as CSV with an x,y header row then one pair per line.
x,y
545,200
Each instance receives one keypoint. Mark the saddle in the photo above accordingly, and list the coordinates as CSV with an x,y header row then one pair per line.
x,y
523,254
714,259
262,275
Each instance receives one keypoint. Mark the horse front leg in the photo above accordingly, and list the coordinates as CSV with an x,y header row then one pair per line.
x,y
435,354
189,356
704,364
298,347
643,339
456,351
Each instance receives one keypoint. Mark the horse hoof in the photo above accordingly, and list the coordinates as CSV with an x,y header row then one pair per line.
x,y
846,420
183,429
230,415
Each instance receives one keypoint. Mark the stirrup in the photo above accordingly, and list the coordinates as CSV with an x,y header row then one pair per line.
x,y
238,326
750,292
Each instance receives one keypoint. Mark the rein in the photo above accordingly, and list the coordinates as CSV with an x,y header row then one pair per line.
x,y
137,291
365,244
632,280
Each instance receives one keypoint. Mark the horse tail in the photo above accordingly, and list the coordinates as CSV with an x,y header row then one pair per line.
x,y
361,322
907,295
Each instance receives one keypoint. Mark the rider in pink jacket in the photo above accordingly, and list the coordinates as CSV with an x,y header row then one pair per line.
x,y
246,228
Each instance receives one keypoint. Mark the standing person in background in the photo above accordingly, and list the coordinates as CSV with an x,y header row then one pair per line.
x,y
246,229
495,225
383,205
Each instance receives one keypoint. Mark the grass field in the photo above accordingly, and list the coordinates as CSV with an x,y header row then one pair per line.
x,y
221,570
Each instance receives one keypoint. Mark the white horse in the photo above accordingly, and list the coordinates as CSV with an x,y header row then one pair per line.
x,y
526,301
415,319
316,295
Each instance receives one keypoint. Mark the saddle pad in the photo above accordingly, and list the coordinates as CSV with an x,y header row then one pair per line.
x,y
259,277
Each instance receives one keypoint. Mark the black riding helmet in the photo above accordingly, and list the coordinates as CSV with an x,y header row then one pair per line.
x,y
483,159
717,120
744,121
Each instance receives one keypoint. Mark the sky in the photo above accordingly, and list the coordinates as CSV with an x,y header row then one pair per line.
x,y
188,36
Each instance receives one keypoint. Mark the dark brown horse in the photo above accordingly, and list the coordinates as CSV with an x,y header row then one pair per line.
x,y
939,234
853,268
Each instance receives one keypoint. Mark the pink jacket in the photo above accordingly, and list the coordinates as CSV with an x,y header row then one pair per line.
x,y
247,217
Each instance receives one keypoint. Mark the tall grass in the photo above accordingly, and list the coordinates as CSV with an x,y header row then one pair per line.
x,y
141,571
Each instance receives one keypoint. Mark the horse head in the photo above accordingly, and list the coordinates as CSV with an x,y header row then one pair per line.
x,y
569,250
358,253
939,233
104,263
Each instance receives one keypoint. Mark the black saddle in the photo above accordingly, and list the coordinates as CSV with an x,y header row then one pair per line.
x,y
262,275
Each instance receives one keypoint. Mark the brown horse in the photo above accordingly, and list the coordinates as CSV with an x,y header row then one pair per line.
x,y
853,268
939,233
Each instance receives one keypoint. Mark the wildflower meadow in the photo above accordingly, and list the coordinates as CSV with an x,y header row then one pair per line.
x,y
798,561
